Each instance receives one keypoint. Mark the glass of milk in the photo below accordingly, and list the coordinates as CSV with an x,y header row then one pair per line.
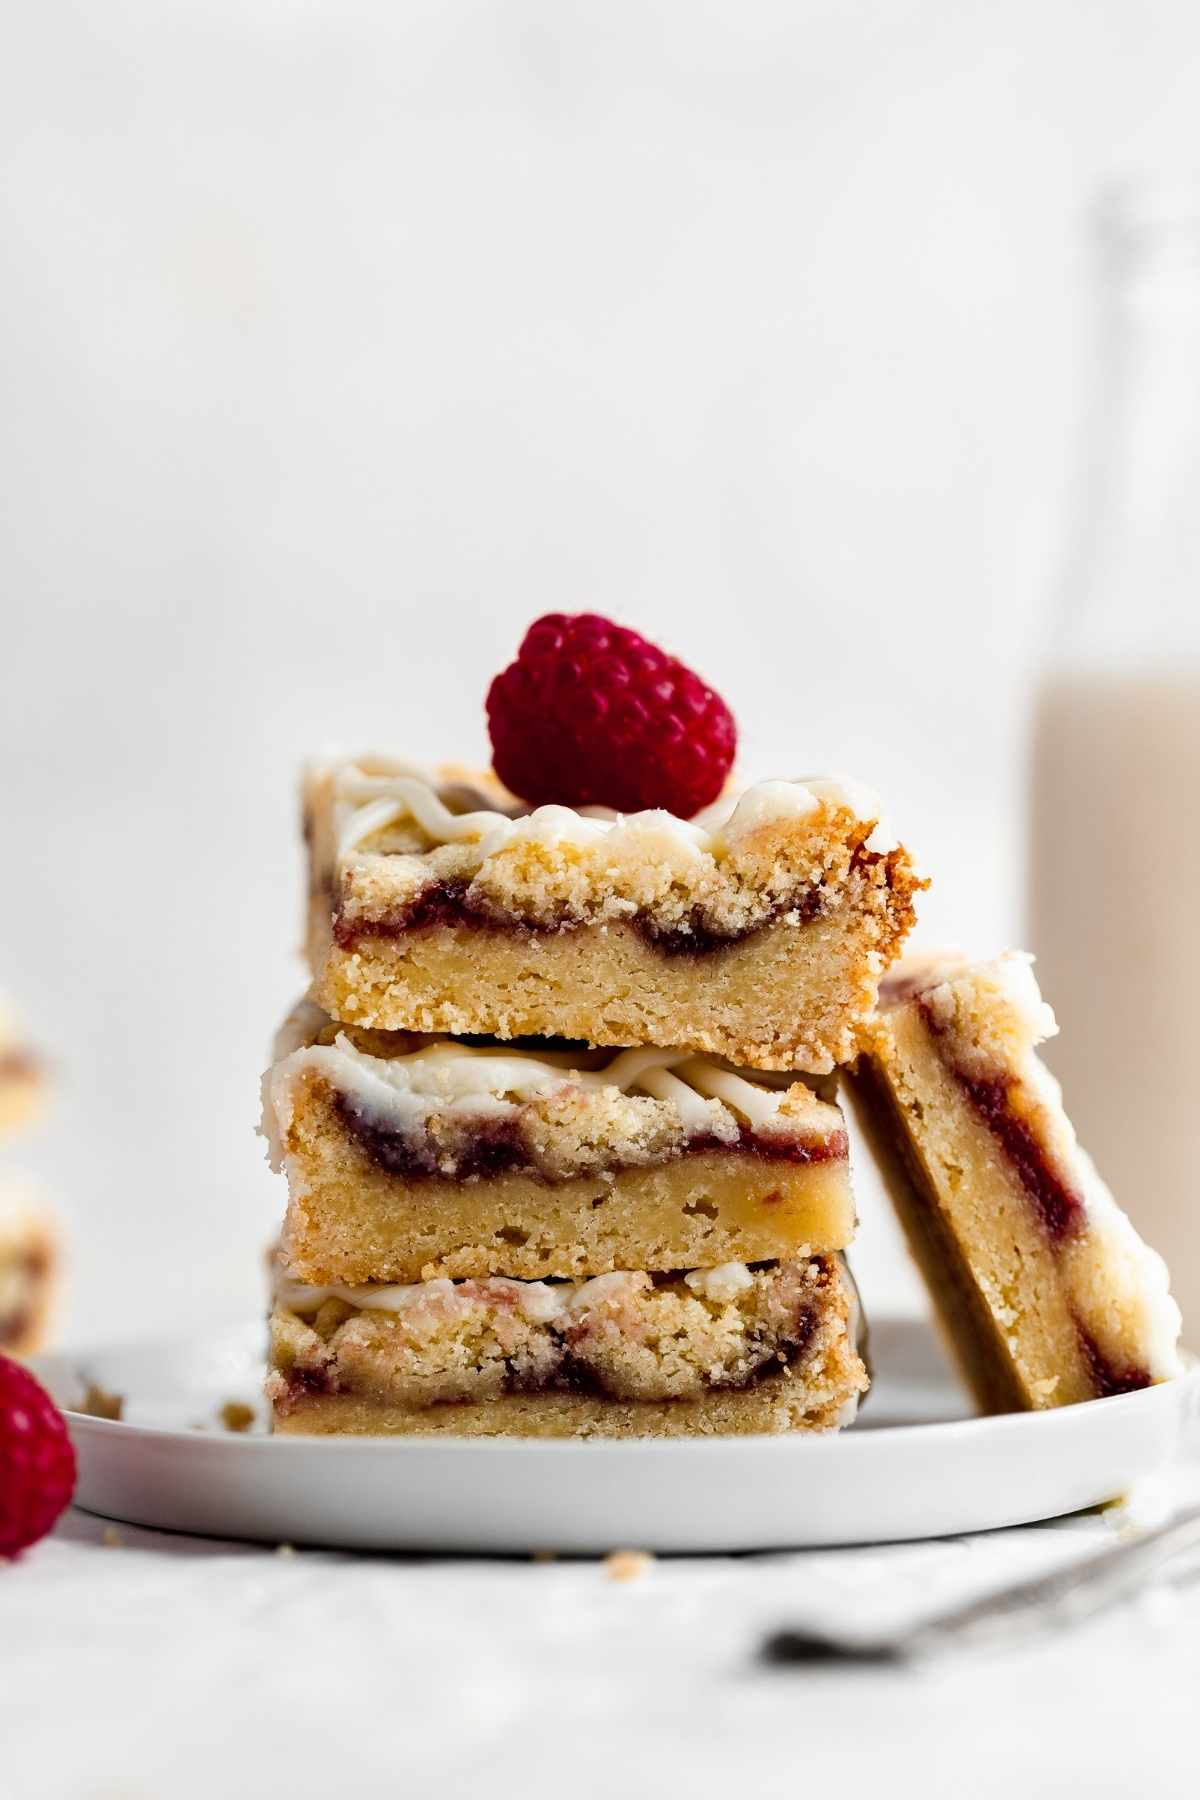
x,y
1115,853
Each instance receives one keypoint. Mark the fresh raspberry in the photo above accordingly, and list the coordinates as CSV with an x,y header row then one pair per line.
x,y
591,714
37,1462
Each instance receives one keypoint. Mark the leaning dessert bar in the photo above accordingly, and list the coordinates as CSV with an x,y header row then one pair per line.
x,y
1046,1291
757,931
409,1158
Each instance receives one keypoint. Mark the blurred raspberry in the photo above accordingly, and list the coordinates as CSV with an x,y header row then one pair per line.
x,y
37,1462
591,714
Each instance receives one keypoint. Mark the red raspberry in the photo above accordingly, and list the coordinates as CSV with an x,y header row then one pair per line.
x,y
37,1462
591,714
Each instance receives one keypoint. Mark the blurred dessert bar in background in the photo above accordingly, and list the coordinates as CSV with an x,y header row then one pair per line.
x,y
22,1076
1045,1290
28,1268
29,1253
757,930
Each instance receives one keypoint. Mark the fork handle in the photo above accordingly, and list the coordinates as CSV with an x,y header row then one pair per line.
x,y
1066,1597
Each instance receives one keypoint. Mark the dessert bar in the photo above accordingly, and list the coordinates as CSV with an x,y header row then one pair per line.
x,y
731,1349
1046,1292
757,931
28,1259
412,1157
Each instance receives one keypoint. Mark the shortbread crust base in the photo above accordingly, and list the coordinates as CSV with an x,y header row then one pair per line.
x,y
778,1403
792,995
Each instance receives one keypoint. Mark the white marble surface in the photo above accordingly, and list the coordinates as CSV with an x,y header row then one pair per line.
x,y
167,1666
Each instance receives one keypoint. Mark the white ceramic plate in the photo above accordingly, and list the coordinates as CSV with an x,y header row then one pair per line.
x,y
915,1465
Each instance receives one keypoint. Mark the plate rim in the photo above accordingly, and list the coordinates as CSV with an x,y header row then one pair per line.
x,y
46,1364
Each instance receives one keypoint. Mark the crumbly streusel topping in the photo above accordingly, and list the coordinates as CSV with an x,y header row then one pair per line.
x,y
632,1335
383,839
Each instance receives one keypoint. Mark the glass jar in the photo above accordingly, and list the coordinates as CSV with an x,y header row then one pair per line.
x,y
1115,852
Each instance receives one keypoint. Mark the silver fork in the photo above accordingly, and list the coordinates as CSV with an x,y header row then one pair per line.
x,y
1046,1603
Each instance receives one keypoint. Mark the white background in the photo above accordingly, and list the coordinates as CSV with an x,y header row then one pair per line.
x,y
337,341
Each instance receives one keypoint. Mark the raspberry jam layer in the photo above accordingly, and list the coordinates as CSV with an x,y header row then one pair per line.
x,y
1059,1207
15,1327
449,905
1107,1377
32,1271
497,1146
18,1066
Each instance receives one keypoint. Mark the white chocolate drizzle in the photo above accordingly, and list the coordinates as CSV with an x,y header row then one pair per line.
x,y
447,1077
370,802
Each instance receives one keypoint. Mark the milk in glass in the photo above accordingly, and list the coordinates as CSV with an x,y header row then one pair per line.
x,y
1115,805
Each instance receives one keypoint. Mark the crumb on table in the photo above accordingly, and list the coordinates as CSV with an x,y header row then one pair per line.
x,y
237,1416
98,1403
627,1565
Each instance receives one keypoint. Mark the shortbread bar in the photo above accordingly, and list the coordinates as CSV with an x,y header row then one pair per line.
x,y
757,932
1045,1290
28,1264
409,1158
22,1078
731,1349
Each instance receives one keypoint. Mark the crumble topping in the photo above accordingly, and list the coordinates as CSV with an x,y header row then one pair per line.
x,y
629,1335
401,852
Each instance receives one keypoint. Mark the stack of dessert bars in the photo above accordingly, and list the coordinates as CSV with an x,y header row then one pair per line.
x,y
554,1167
28,1250
562,1150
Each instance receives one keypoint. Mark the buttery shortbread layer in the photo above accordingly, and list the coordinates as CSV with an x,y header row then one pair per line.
x,y
794,996
408,1160
1046,1293
760,935
622,1340
786,1401
354,1223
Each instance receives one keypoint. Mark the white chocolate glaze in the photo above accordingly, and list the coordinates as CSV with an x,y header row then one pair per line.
x,y
1009,980
723,1283
370,799
539,1301
1120,1287
445,1076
